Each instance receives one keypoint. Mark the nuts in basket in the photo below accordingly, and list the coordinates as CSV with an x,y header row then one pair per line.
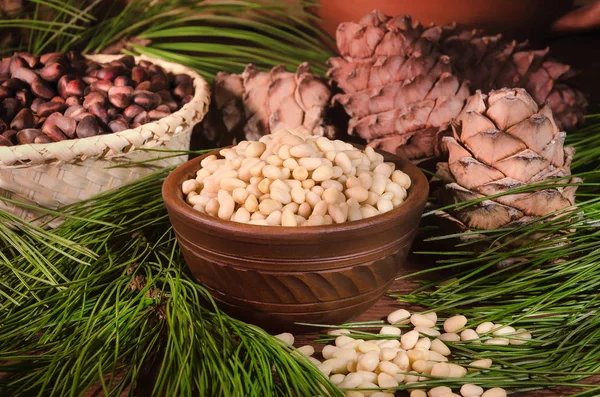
x,y
60,96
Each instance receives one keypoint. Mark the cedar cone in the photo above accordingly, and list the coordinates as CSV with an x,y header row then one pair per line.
x,y
403,83
255,103
502,141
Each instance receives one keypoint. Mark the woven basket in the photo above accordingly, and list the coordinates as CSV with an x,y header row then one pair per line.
x,y
56,174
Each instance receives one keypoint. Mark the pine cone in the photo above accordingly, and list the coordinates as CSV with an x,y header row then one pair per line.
x,y
403,84
256,103
397,88
10,7
502,142
491,62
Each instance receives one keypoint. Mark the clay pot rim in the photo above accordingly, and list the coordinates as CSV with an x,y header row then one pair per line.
x,y
173,198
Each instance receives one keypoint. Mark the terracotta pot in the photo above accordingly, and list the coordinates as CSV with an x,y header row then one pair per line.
x,y
276,276
523,19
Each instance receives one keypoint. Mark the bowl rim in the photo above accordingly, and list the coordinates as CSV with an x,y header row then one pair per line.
x,y
176,205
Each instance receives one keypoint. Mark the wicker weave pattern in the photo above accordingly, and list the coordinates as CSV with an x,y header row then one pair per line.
x,y
61,173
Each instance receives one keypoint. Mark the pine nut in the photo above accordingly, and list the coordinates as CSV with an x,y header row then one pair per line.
x,y
352,182
271,172
440,369
484,327
358,192
328,351
307,350
471,390
415,355
310,163
345,353
522,334
401,179
365,347
251,204
336,379
354,214
388,330
189,186
386,380
423,343
268,206
368,362
455,323
320,208
437,357
469,334
456,371
387,353
322,173
379,183
300,173
255,149
384,205
308,183
342,340
402,360
242,215
409,339
449,337
439,347
288,218
290,164
212,208
483,363
304,150
286,337
399,317
280,195
337,365
304,210
422,320
391,343
495,392
439,391
336,213
274,218
330,195
497,341
500,329
352,381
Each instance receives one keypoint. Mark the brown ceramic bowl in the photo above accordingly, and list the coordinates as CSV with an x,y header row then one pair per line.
x,y
277,276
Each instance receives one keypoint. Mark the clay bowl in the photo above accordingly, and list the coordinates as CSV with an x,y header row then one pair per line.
x,y
275,276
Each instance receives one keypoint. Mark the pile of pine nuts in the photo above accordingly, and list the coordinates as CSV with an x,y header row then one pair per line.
x,y
291,179
408,357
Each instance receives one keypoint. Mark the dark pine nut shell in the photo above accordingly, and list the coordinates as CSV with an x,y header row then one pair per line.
x,y
28,135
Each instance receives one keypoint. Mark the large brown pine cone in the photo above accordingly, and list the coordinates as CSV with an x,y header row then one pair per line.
x,y
397,88
403,83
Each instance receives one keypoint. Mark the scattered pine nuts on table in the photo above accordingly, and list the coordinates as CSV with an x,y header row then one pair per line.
x,y
396,356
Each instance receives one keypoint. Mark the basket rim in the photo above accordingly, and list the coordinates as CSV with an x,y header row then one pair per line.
x,y
27,155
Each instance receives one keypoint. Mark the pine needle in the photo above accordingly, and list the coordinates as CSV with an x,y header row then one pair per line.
x,y
132,311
